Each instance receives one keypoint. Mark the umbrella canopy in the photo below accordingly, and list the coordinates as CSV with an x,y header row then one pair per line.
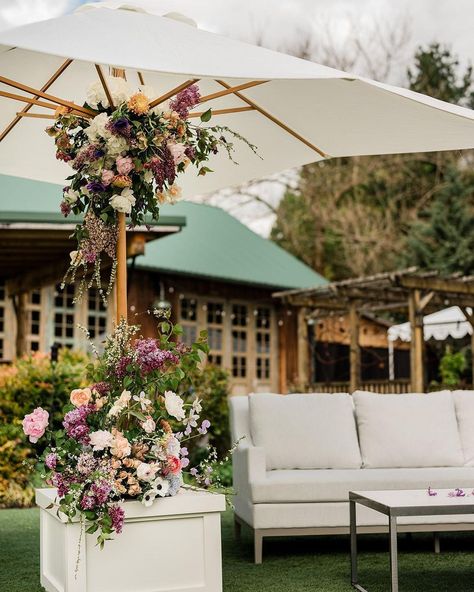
x,y
449,322
295,111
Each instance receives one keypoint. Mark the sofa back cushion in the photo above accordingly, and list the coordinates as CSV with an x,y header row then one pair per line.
x,y
305,431
464,404
412,430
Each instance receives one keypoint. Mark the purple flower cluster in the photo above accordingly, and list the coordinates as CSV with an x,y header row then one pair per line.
x,y
120,127
101,491
185,100
75,423
61,483
86,463
87,154
163,169
102,388
117,514
65,209
150,357
51,460
121,368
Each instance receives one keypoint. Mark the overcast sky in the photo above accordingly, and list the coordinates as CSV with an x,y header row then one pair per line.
x,y
281,24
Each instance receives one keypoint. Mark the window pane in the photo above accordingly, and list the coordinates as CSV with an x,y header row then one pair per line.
x,y
239,315
215,312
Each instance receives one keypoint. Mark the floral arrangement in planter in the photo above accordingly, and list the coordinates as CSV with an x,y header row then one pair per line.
x,y
127,159
124,436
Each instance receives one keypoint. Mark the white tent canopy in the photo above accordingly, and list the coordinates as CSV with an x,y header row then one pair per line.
x,y
299,112
450,322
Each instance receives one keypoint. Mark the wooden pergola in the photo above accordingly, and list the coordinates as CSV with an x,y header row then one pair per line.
x,y
411,290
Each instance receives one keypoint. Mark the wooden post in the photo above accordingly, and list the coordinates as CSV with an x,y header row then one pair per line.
x,y
21,324
416,343
354,351
304,378
470,317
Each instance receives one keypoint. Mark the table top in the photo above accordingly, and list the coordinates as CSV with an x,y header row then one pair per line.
x,y
412,502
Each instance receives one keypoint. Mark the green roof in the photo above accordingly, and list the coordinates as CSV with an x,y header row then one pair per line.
x,y
216,245
213,244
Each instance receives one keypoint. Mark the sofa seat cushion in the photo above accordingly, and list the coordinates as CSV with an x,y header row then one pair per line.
x,y
326,485
464,404
412,430
305,431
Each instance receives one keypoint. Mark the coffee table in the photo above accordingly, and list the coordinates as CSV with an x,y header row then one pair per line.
x,y
402,503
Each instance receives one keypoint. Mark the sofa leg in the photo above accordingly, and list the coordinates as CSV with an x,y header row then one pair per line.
x,y
237,528
437,546
258,544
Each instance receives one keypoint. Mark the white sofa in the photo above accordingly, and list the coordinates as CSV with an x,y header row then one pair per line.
x,y
299,455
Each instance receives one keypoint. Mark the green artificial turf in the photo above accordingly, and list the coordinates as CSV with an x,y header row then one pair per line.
x,y
290,565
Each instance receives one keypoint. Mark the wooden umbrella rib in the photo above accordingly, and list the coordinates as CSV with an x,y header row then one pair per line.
x,y
35,115
30,102
172,92
140,78
274,119
223,111
39,93
105,86
231,90
44,88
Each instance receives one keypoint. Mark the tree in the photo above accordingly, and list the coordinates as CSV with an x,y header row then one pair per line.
x,y
443,238
436,73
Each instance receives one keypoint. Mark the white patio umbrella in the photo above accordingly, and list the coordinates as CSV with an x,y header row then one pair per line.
x,y
294,110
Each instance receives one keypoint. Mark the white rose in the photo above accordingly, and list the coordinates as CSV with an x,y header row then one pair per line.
x,y
173,446
146,472
174,405
97,128
177,152
95,94
100,439
123,202
70,196
76,257
173,193
119,89
148,176
149,425
116,145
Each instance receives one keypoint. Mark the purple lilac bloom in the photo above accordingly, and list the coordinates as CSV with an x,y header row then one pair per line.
x,y
60,483
185,100
150,357
194,472
86,463
89,256
87,154
65,209
117,514
190,152
432,492
121,368
88,502
75,423
101,491
101,387
51,460
184,462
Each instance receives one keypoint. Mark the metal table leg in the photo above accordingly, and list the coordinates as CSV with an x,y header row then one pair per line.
x,y
353,527
393,553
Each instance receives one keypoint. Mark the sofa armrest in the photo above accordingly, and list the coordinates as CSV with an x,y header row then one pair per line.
x,y
248,465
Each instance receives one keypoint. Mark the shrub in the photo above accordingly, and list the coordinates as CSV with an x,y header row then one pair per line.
x,y
30,382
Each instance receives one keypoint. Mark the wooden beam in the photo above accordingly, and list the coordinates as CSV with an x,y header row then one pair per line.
x,y
275,120
105,86
417,342
231,90
44,88
304,378
50,273
354,349
53,98
223,111
447,286
173,91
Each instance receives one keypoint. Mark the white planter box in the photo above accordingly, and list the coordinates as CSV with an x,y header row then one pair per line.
x,y
173,546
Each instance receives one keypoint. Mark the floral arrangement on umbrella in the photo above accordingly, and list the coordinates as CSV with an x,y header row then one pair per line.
x,y
127,159
125,436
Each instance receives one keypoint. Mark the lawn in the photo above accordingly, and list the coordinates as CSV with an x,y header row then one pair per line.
x,y
290,565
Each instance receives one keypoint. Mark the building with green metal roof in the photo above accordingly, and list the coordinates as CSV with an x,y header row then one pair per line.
x,y
215,272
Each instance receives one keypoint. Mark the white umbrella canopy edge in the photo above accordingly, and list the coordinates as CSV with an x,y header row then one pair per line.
x,y
439,325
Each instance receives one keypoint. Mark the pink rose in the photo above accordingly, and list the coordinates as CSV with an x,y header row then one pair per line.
x,y
80,397
124,165
107,177
174,464
35,424
177,152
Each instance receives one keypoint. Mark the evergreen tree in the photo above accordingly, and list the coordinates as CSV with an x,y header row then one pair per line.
x,y
443,239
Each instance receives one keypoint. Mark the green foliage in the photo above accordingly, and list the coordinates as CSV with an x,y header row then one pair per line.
x,y
443,239
211,384
30,382
451,367
436,74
